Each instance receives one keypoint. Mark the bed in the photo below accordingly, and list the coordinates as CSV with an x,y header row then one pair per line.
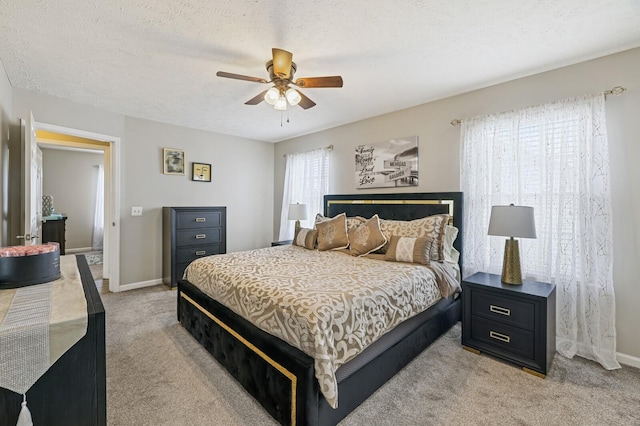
x,y
282,377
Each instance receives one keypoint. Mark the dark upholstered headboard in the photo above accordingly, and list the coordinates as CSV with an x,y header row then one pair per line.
x,y
407,206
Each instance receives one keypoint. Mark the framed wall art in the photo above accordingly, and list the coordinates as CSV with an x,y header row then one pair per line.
x,y
201,172
389,164
173,161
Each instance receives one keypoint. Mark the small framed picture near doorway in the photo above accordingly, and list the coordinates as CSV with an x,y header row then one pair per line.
x,y
201,172
173,160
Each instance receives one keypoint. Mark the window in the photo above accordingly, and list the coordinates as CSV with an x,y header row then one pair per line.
x,y
553,157
306,181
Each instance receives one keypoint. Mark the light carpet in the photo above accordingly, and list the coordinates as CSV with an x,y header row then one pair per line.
x,y
157,374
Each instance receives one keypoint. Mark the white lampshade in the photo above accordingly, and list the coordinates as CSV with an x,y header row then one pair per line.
x,y
293,96
281,104
297,211
512,221
272,96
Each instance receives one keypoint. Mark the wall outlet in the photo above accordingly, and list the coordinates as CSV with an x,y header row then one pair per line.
x,y
136,211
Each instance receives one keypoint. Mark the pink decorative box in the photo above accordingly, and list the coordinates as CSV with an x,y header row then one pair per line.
x,y
21,266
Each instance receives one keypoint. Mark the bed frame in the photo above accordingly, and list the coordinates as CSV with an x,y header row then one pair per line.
x,y
282,377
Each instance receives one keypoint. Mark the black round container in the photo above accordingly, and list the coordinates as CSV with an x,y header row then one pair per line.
x,y
21,271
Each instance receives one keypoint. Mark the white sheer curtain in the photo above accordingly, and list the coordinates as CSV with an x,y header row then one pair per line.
x,y
306,181
98,214
553,157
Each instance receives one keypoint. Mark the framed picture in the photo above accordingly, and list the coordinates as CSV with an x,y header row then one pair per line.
x,y
173,160
201,172
389,164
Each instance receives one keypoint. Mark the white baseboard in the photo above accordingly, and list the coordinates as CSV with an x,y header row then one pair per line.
x,y
140,284
629,360
77,250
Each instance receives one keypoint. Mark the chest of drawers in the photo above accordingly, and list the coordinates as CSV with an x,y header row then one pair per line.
x,y
189,233
514,322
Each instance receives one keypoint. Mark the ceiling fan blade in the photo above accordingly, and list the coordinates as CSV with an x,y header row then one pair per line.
x,y
256,99
305,102
240,77
311,82
282,62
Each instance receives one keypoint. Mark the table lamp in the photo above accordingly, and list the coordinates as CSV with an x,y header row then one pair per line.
x,y
512,221
297,212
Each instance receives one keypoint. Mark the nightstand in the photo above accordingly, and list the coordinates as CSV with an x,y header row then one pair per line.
x,y
281,243
516,323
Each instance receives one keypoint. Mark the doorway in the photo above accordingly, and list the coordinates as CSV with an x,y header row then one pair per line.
x,y
49,135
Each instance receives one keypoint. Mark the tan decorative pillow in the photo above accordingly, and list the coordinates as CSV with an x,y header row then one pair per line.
x,y
410,250
352,222
332,233
306,238
430,227
367,237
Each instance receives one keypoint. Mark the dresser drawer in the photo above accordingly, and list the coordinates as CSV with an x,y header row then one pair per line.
x,y
498,335
180,267
198,219
189,254
188,237
518,313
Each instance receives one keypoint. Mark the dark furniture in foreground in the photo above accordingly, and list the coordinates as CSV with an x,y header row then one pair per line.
x,y
55,231
189,233
281,377
516,323
74,390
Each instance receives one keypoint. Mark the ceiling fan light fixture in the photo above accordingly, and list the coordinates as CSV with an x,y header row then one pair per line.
x,y
293,96
272,96
281,104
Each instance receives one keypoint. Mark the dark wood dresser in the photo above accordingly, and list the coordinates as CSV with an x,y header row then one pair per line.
x,y
516,323
74,389
189,233
54,231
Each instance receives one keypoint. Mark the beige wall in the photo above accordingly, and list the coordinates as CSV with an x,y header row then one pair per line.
x,y
6,101
70,177
242,178
439,154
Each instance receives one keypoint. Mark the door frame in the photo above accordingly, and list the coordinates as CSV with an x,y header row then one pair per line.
x,y
112,199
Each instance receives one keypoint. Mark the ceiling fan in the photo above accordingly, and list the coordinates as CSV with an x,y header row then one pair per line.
x,y
281,70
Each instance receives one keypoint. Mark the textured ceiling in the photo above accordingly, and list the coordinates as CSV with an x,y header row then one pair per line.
x,y
157,59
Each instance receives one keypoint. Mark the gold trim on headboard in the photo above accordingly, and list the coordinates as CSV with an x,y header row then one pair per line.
x,y
408,202
280,368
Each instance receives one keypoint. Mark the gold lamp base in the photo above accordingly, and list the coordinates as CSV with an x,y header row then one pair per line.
x,y
511,271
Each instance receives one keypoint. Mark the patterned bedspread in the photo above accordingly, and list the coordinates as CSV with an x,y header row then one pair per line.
x,y
328,304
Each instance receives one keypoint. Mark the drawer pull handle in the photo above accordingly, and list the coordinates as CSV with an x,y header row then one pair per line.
x,y
201,236
500,310
500,336
201,253
201,219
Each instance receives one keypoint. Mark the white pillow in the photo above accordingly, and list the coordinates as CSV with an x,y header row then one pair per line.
x,y
449,252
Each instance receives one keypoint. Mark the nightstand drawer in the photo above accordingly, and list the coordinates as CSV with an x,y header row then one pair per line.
x,y
198,236
498,335
188,254
506,310
198,219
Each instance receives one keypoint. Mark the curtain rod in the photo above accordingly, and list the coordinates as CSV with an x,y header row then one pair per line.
x,y
330,148
616,91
